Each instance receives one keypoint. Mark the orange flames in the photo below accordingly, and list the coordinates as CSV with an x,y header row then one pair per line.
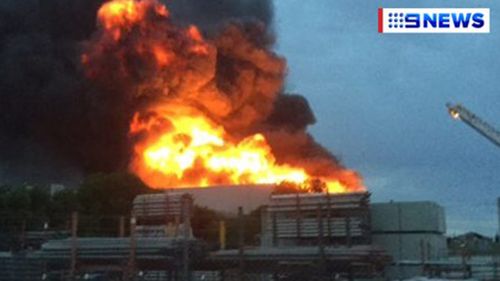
x,y
194,151
177,143
125,13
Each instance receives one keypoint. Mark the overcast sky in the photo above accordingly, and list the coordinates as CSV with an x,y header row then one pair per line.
x,y
380,102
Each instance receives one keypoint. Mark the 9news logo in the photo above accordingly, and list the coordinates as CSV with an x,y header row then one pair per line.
x,y
418,20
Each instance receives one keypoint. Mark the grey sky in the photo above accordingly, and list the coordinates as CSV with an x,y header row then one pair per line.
x,y
379,101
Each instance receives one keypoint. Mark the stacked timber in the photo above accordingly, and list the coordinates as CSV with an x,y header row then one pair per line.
x,y
151,231
310,201
167,205
304,218
363,262
118,248
34,239
354,253
162,214
410,230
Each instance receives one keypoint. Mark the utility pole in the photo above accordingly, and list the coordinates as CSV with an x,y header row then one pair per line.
x,y
74,242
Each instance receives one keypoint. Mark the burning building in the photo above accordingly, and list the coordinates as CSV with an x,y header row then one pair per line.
x,y
209,108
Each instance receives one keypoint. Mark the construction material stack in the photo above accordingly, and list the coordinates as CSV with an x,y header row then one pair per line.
x,y
413,233
410,230
114,250
330,232
160,242
162,214
299,219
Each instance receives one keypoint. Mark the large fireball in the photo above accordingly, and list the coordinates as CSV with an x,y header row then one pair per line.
x,y
200,102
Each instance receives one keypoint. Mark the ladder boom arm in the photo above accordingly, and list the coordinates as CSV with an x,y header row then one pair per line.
x,y
460,112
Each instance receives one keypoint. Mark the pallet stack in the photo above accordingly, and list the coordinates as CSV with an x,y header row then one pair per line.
x,y
112,248
410,230
310,218
162,214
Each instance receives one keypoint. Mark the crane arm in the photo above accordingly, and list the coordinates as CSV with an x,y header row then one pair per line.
x,y
461,113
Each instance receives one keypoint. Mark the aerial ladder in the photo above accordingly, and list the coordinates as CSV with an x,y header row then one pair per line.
x,y
459,112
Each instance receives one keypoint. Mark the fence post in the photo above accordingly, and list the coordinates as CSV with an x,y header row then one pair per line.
x,y
495,270
186,233
422,257
130,271
298,216
275,230
222,234
23,235
321,245
74,233
241,241
328,217
348,231
464,261
121,227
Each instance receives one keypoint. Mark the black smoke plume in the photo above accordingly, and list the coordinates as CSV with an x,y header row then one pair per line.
x,y
56,125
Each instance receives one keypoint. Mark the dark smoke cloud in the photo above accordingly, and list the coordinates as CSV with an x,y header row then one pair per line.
x,y
42,94
291,112
54,124
210,14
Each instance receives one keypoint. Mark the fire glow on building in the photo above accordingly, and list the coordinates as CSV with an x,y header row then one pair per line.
x,y
210,110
